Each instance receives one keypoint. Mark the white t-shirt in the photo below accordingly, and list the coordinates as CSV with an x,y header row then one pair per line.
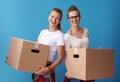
x,y
52,39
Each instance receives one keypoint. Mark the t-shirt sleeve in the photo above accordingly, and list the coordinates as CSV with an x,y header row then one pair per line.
x,y
60,40
40,34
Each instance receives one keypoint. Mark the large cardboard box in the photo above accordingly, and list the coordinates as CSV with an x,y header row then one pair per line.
x,y
23,55
89,64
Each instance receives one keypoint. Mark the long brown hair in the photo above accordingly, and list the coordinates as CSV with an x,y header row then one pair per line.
x,y
60,12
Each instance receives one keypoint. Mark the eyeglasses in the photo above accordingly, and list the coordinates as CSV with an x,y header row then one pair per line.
x,y
74,17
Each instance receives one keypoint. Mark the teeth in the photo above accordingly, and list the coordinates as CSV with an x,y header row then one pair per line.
x,y
75,22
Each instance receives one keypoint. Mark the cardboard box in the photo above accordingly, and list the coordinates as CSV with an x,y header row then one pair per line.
x,y
89,64
23,55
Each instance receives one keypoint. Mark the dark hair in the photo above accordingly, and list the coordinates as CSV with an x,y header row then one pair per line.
x,y
60,12
73,8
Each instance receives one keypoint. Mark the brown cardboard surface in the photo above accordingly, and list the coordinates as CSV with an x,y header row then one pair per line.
x,y
23,55
90,64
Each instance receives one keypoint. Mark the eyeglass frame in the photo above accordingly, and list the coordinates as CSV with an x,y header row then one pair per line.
x,y
74,17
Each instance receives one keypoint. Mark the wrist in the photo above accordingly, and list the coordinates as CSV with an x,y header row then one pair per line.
x,y
49,68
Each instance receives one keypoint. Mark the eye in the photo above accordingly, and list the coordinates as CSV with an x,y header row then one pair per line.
x,y
73,17
58,18
52,16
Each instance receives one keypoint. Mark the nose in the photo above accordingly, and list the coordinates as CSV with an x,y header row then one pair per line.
x,y
54,20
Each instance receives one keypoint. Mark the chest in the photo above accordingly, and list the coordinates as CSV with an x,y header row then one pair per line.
x,y
48,39
79,33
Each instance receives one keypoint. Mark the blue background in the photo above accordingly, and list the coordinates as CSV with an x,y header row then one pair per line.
x,y
25,18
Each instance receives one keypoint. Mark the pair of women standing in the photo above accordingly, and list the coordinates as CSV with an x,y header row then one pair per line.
x,y
55,39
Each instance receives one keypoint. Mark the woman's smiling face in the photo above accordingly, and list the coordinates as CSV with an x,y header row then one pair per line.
x,y
54,18
74,18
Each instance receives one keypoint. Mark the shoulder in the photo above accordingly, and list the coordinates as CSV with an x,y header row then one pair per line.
x,y
85,29
69,31
43,31
60,33
85,32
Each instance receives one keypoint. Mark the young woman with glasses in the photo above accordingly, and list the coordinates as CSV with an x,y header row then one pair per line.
x,y
77,36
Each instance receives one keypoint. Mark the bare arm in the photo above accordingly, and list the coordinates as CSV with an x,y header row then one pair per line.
x,y
60,57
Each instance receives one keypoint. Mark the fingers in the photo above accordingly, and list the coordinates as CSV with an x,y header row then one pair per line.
x,y
38,66
67,75
41,70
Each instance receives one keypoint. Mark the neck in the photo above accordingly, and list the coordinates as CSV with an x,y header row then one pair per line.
x,y
52,29
75,28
